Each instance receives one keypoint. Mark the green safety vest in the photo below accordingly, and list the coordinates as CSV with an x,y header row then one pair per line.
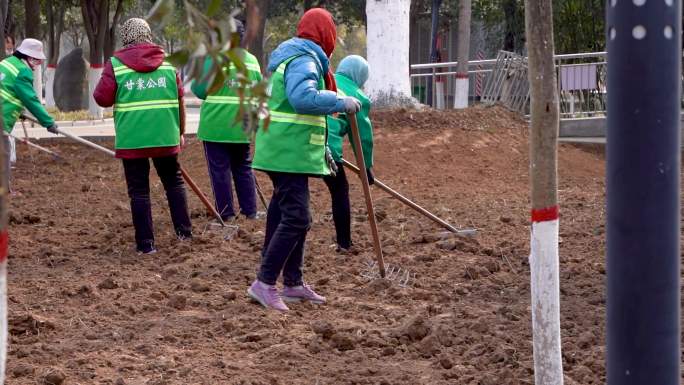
x,y
146,111
293,142
339,127
11,105
218,115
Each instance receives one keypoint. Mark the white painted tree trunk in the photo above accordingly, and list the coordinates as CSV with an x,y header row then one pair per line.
x,y
439,95
3,318
461,92
462,55
388,50
49,86
546,303
38,82
94,75
544,123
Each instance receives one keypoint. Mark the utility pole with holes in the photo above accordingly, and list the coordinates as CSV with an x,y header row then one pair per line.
x,y
643,192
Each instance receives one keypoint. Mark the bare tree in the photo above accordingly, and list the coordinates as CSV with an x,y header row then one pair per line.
x,y
462,54
548,365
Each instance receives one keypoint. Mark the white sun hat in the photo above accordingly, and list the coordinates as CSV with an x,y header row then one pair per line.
x,y
32,48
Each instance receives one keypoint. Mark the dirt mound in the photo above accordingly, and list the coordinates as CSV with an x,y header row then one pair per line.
x,y
182,316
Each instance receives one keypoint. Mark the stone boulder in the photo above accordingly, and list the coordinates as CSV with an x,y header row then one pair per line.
x,y
71,82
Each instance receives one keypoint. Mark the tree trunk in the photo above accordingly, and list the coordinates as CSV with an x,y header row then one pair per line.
x,y
257,10
110,39
4,208
434,58
387,45
32,18
548,366
4,5
96,20
509,11
55,18
462,55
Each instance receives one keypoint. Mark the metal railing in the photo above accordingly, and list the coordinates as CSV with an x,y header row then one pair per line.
x,y
581,82
434,83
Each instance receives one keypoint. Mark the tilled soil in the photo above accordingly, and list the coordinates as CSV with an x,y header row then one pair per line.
x,y
86,309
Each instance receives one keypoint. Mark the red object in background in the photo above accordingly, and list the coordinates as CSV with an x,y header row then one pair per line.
x,y
4,242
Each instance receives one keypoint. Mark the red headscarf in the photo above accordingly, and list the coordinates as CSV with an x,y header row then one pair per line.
x,y
318,26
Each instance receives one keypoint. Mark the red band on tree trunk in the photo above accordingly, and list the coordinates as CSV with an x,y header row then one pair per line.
x,y
545,214
97,66
4,240
461,75
53,66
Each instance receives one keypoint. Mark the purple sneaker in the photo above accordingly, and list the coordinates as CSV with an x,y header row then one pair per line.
x,y
302,293
267,296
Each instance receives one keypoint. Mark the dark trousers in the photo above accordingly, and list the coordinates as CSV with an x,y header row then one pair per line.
x,y
341,208
137,173
226,160
287,224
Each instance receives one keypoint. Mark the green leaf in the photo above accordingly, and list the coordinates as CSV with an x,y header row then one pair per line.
x,y
214,7
218,81
236,56
179,58
161,13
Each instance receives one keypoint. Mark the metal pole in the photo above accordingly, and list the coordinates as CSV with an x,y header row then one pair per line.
x,y
86,142
39,147
642,187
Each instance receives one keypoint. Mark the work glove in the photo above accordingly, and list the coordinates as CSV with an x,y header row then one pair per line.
x,y
331,162
371,177
53,129
351,105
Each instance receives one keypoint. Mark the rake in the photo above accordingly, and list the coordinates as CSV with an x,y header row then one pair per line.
x,y
356,139
34,145
413,205
231,230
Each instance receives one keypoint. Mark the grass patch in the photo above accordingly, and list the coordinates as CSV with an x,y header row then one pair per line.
x,y
74,115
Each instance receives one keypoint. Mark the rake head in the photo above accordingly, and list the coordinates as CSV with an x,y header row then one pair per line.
x,y
393,273
228,231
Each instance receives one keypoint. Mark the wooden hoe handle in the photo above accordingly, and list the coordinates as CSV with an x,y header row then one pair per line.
x,y
356,139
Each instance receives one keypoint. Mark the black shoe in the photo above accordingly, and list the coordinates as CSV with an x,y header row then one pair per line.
x,y
184,235
146,248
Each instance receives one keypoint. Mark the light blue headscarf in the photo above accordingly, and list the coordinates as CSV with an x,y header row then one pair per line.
x,y
355,68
